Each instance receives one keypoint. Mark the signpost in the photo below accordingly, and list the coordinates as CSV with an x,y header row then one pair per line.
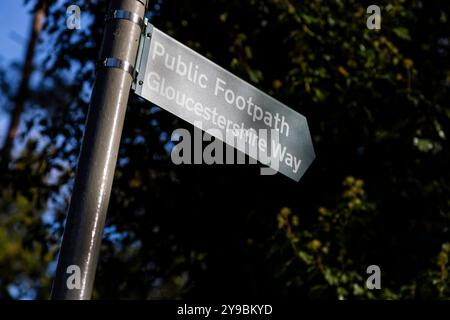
x,y
188,85
98,156
197,90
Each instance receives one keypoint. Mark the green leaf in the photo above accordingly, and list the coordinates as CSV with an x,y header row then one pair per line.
x,y
402,32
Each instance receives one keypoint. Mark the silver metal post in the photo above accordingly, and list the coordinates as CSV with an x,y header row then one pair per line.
x,y
97,161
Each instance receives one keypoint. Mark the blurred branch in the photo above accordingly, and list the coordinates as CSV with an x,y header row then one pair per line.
x,y
23,90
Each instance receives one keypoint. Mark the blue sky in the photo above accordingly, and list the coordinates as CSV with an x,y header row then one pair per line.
x,y
15,21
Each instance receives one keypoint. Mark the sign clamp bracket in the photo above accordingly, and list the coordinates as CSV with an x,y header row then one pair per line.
x,y
127,15
112,62
141,60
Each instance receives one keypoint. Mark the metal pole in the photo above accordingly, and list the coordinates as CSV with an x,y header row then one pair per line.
x,y
97,161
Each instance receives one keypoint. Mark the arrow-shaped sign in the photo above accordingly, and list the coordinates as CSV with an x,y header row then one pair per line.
x,y
202,93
